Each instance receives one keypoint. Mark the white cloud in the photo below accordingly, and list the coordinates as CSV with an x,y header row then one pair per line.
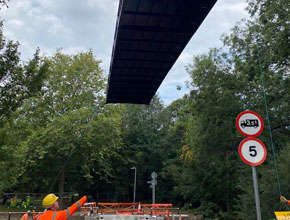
x,y
101,7
57,27
63,24
232,7
9,35
15,23
74,50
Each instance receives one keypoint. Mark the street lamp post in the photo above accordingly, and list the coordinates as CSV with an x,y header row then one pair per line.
x,y
134,196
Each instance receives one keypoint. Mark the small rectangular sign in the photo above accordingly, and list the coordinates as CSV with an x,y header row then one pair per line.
x,y
282,215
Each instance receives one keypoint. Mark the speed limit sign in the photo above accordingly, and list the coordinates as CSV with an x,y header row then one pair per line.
x,y
252,151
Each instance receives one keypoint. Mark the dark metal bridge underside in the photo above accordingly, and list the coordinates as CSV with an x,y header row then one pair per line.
x,y
149,37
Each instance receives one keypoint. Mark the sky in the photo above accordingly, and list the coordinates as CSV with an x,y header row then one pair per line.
x,y
77,26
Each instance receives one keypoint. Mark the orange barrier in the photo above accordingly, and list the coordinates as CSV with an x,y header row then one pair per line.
x,y
128,208
117,208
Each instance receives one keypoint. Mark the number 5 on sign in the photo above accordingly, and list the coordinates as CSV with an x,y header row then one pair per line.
x,y
252,151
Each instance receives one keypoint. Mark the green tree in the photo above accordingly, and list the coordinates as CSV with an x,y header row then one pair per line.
x,y
17,82
272,17
209,162
144,129
177,115
71,135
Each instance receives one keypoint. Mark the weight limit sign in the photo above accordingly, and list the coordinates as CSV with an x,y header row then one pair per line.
x,y
249,124
252,151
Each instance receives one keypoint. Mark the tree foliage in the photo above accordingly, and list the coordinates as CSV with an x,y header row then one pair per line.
x,y
3,3
17,82
144,130
65,140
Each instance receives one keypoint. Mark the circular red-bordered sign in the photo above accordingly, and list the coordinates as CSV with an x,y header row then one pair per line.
x,y
249,124
252,151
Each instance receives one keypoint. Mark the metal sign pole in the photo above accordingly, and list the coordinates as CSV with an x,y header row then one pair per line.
x,y
135,176
134,200
153,194
153,184
257,199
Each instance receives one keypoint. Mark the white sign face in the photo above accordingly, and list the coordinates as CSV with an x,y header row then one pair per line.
x,y
249,124
252,151
154,175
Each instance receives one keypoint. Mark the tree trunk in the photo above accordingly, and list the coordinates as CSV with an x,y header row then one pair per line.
x,y
61,189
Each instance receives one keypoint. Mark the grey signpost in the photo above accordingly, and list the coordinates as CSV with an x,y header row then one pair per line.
x,y
257,198
134,196
252,151
153,183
